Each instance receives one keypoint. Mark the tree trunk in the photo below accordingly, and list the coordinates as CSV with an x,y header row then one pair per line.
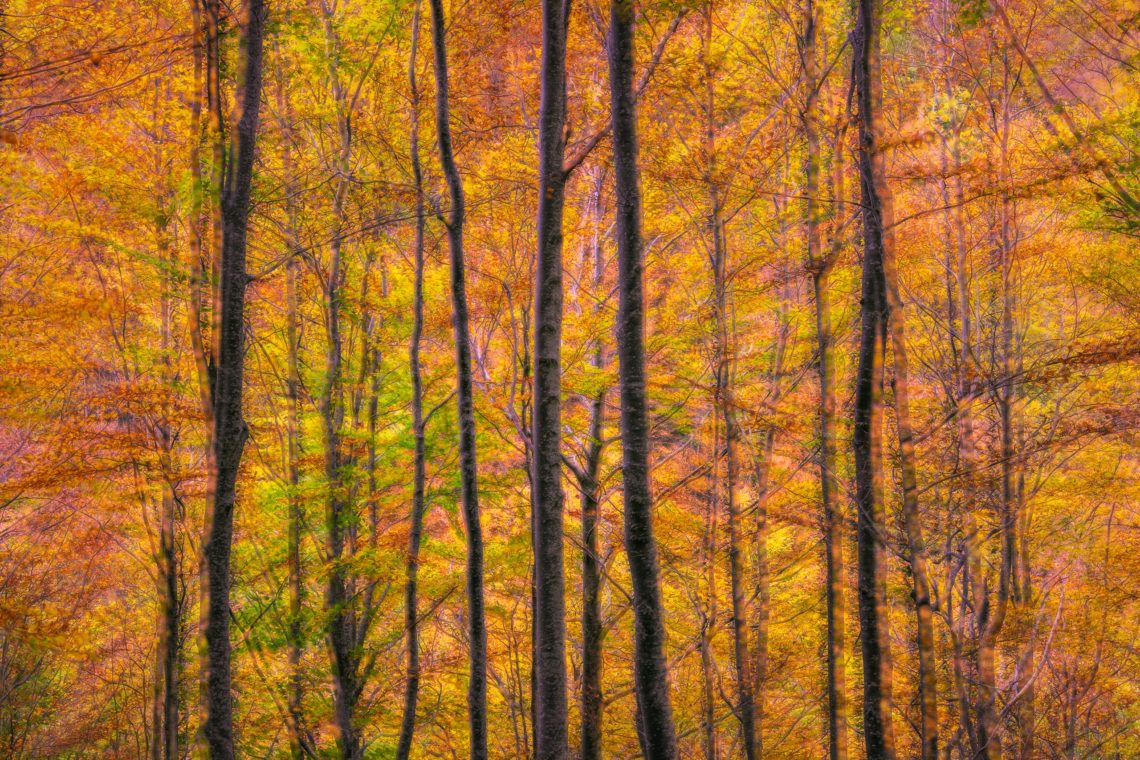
x,y
294,636
415,533
819,265
592,630
550,704
878,735
339,517
658,737
231,430
993,614
468,470
724,403
707,610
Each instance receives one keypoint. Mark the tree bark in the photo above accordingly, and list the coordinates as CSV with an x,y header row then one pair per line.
x,y
592,628
658,736
468,469
415,534
878,735
550,704
231,430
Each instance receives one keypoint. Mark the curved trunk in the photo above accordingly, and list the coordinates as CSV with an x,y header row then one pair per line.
x,y
468,469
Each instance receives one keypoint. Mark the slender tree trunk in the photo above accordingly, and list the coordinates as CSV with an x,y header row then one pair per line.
x,y
166,707
724,402
205,248
231,430
294,636
993,613
415,533
761,466
550,702
658,736
592,630
879,261
878,735
912,519
468,469
819,265
340,520
709,612
171,619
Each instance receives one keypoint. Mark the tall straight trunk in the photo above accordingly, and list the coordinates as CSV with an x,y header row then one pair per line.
x,y
231,430
588,484
592,629
819,265
761,467
550,704
725,404
879,260
340,598
167,659
878,734
169,575
205,248
294,635
708,613
168,648
651,679
415,533
468,470
912,518
993,612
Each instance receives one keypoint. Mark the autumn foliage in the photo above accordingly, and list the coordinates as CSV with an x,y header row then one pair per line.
x,y
396,268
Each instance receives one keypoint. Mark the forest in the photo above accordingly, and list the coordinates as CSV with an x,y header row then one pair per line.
x,y
567,380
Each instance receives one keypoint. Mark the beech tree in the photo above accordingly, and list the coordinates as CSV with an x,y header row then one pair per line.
x,y
230,429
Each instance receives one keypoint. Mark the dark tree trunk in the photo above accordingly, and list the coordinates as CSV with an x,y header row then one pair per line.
x,y
878,736
658,736
468,471
880,214
592,629
171,624
230,427
295,635
588,483
415,533
165,709
550,704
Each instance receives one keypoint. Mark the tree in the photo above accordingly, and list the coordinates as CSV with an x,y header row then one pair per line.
x,y
878,735
468,469
415,534
550,586
230,428
655,712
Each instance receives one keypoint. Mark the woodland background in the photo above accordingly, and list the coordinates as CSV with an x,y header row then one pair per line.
x,y
1010,139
